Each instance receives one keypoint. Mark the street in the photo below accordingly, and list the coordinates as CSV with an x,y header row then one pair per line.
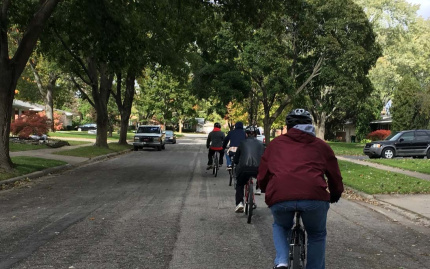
x,y
162,209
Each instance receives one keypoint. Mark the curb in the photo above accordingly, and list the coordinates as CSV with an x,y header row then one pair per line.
x,y
62,168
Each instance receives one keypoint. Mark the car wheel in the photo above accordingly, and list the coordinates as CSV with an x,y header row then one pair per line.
x,y
388,153
159,148
136,148
428,154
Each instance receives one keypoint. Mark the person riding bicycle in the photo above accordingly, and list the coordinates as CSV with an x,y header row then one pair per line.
x,y
247,160
292,174
214,143
234,137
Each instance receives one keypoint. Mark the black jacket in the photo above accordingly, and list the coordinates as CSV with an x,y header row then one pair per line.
x,y
248,155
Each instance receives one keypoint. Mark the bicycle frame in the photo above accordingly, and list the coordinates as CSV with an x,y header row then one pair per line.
x,y
297,252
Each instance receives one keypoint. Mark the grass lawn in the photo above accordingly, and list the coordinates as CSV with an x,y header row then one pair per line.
x,y
91,151
375,181
417,165
24,147
25,165
85,134
342,148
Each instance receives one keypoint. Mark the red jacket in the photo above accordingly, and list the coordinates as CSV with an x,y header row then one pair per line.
x,y
293,168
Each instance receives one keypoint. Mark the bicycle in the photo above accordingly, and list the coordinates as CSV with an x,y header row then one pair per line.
x,y
297,252
249,199
215,163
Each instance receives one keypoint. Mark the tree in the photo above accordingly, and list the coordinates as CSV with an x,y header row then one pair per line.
x,y
46,83
347,42
409,109
31,16
83,40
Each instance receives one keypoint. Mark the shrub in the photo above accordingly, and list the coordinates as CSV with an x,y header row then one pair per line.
x,y
58,122
378,135
30,123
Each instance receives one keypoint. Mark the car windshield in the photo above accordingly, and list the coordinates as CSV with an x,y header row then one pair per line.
x,y
393,137
169,132
148,129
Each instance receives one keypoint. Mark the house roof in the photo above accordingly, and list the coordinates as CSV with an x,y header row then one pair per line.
x,y
36,107
385,119
26,106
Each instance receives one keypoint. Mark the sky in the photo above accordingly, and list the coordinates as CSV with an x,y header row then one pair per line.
x,y
424,8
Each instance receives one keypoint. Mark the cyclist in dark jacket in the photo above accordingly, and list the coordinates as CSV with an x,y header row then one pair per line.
x,y
214,143
292,174
234,137
247,161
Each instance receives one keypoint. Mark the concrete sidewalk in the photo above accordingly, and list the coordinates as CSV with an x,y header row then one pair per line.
x,y
413,206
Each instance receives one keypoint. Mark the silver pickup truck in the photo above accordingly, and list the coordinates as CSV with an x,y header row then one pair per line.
x,y
260,135
149,136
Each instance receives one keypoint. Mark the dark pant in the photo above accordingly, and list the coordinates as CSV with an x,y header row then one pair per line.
x,y
211,154
242,179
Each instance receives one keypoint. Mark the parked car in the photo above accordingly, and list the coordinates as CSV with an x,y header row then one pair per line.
x,y
170,137
149,136
410,143
87,127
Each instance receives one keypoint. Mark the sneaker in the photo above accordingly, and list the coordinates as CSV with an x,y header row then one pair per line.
x,y
257,192
228,167
239,208
209,167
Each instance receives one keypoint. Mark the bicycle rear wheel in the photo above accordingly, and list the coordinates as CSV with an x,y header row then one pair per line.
x,y
297,255
215,164
250,199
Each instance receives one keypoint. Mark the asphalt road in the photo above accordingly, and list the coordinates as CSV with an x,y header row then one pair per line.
x,y
152,209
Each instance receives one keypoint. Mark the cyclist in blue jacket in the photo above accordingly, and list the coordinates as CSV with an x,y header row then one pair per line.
x,y
234,137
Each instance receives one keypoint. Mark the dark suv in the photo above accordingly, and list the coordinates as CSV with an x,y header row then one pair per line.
x,y
411,143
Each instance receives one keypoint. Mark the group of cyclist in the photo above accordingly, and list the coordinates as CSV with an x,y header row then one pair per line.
x,y
297,172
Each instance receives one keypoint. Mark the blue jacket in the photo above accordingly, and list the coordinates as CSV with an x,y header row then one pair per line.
x,y
235,136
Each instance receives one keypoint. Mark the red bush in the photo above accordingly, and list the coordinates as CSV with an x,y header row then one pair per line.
x,y
58,122
378,135
29,123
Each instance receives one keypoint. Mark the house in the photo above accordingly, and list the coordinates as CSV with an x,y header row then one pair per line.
x,y
19,107
347,134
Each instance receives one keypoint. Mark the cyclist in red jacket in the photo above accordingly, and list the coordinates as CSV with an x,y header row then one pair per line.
x,y
214,143
292,174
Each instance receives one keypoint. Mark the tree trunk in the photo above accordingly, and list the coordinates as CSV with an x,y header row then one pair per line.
x,y
267,122
49,99
320,125
101,97
181,123
7,92
125,106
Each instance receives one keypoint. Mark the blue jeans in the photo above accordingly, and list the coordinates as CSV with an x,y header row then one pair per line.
x,y
314,216
228,156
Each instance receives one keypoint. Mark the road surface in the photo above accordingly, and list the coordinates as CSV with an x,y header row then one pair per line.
x,y
152,209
